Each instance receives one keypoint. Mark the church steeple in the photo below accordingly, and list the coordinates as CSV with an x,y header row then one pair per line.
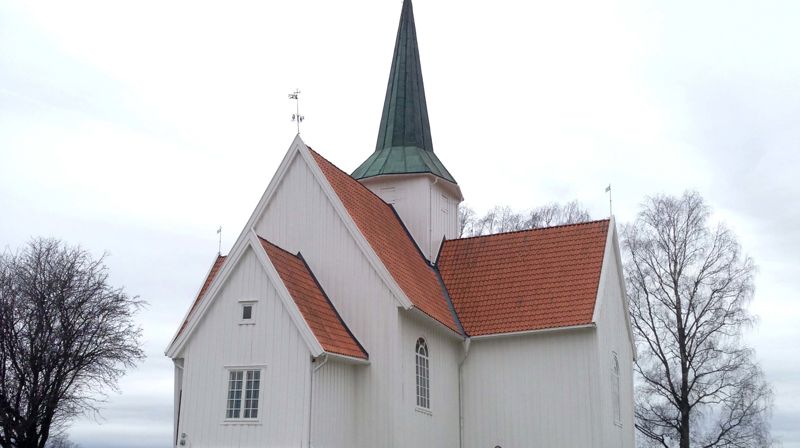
x,y
404,137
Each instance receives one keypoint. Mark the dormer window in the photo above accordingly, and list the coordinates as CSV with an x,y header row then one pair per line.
x,y
247,312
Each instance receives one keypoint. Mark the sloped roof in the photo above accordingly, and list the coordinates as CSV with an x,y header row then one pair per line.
x,y
212,273
404,138
527,280
390,240
317,310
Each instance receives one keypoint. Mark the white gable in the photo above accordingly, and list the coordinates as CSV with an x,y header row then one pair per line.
x,y
219,341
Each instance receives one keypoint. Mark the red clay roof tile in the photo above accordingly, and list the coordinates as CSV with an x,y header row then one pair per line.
x,y
527,280
317,310
389,239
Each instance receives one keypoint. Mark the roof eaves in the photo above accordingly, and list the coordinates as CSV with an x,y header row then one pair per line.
x,y
534,331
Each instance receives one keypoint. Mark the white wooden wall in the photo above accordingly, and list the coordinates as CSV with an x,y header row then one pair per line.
x,y
613,337
531,391
221,341
428,210
439,428
334,423
299,217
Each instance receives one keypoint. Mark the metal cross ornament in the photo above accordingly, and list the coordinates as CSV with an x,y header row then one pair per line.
x,y
296,117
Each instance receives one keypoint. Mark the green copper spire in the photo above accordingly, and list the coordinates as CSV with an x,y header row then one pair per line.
x,y
404,138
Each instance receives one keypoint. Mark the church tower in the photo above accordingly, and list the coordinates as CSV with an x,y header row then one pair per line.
x,y
403,170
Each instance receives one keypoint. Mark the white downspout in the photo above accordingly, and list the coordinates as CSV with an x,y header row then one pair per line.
x,y
311,393
467,343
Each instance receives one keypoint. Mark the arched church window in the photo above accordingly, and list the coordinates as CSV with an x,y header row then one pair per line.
x,y
423,375
615,389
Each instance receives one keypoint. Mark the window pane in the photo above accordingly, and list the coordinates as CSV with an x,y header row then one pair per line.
x,y
252,385
422,374
247,312
234,401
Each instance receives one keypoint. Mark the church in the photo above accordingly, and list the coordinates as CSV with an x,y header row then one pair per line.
x,y
350,313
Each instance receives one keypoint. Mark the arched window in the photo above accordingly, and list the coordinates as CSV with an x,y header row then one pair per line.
x,y
615,389
423,375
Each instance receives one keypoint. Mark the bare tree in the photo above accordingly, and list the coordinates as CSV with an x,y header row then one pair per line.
x,y
504,219
60,441
65,334
689,285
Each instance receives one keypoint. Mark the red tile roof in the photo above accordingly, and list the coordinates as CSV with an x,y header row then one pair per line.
x,y
317,310
525,280
389,239
209,278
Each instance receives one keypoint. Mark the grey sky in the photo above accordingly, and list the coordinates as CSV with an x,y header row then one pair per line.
x,y
137,128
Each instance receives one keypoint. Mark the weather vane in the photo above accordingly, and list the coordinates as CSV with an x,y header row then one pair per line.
x,y
608,190
296,117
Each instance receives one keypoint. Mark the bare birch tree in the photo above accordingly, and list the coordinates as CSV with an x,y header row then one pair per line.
x,y
504,219
689,286
65,335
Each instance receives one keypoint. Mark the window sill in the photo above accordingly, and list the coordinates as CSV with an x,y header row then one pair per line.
x,y
241,422
247,323
424,411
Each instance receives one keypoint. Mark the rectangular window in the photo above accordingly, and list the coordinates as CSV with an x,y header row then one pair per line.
x,y
247,312
247,383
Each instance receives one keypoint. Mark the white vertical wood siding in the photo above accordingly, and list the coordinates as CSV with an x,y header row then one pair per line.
x,y
444,216
439,428
300,217
613,337
428,211
219,341
531,391
333,417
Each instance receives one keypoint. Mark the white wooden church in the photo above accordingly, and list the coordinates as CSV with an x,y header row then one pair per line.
x,y
349,313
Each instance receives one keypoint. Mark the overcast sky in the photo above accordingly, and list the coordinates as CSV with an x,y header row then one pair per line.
x,y
137,128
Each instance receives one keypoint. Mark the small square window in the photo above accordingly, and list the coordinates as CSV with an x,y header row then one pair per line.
x,y
247,312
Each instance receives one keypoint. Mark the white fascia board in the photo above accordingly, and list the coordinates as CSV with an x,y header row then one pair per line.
x,y
288,302
612,255
189,310
346,359
533,332
598,299
360,239
625,304
227,267
178,340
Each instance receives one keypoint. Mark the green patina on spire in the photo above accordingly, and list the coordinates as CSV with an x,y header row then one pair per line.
x,y
404,138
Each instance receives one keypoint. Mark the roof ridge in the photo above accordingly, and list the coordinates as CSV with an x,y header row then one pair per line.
x,y
499,234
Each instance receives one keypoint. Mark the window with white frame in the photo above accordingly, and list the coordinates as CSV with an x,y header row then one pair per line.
x,y
244,386
615,389
247,312
423,375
